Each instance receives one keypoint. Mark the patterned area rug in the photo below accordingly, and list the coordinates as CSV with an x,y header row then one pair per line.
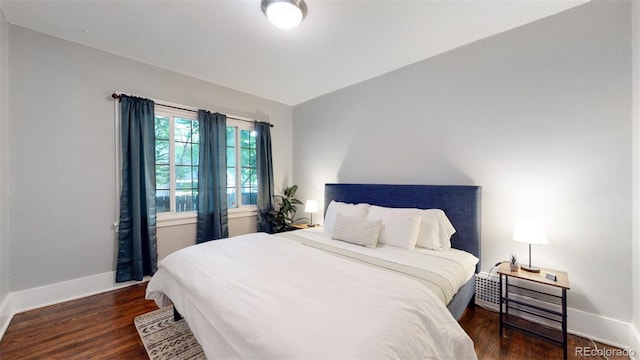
x,y
165,339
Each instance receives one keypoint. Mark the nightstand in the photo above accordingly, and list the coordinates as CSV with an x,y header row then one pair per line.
x,y
536,297
302,226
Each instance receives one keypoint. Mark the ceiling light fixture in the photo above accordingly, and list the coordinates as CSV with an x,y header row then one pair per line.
x,y
285,14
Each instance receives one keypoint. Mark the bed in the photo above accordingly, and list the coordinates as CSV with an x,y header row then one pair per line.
x,y
462,204
265,296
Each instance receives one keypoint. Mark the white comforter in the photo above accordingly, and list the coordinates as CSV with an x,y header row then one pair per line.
x,y
444,272
267,297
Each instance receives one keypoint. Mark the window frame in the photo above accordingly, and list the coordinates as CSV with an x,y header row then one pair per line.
x,y
172,113
240,125
173,218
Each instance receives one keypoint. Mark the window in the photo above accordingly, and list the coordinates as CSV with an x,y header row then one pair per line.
x,y
242,179
177,147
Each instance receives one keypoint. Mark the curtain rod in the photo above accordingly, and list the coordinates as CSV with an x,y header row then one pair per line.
x,y
117,96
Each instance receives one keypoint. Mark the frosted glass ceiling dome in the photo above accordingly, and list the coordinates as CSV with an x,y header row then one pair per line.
x,y
285,14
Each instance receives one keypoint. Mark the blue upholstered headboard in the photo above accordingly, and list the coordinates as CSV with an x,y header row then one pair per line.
x,y
462,205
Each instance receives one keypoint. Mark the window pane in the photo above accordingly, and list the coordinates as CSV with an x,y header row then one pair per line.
x,y
162,177
183,153
247,168
185,201
231,136
195,154
231,198
231,177
248,157
245,138
195,129
194,176
162,127
195,199
252,156
247,175
162,151
231,156
162,201
248,196
182,129
183,177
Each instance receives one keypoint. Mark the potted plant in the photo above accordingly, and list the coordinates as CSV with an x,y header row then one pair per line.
x,y
282,218
513,265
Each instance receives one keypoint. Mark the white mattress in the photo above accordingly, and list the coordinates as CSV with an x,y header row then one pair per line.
x,y
268,297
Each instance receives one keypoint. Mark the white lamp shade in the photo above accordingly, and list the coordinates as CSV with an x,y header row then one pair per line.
x,y
311,206
284,14
530,231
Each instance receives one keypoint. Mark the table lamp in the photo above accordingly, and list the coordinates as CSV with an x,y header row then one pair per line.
x,y
311,207
531,232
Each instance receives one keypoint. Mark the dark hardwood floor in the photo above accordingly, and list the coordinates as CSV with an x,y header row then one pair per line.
x,y
101,327
483,326
95,327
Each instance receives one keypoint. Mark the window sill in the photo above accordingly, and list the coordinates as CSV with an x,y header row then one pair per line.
x,y
245,211
176,219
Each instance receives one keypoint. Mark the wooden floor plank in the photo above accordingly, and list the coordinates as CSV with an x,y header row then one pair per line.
x,y
101,327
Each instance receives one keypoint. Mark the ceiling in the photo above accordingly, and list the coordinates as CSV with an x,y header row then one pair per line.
x,y
231,43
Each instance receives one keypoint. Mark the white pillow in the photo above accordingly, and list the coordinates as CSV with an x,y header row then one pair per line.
x,y
400,227
335,207
435,230
355,230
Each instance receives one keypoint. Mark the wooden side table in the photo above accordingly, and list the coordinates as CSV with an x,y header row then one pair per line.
x,y
302,226
534,300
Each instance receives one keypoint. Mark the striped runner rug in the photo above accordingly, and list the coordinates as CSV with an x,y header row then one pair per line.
x,y
165,339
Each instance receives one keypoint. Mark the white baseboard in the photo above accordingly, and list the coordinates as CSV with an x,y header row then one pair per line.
x,y
634,343
5,314
24,300
600,328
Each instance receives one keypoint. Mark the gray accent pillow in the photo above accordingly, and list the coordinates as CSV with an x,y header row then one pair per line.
x,y
356,230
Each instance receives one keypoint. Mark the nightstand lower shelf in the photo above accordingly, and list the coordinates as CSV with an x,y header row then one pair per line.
x,y
534,329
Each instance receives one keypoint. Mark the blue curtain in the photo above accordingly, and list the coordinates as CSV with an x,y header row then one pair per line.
x,y
264,165
137,246
212,178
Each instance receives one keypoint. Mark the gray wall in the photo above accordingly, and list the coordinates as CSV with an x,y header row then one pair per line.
x,y
62,149
539,116
172,238
636,165
4,159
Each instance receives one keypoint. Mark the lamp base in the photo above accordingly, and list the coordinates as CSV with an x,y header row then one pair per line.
x,y
532,269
